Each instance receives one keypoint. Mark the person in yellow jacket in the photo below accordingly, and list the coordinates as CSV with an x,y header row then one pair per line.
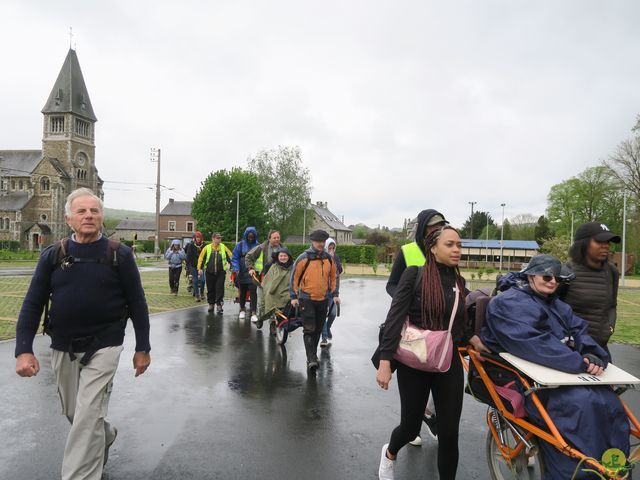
x,y
212,261
313,281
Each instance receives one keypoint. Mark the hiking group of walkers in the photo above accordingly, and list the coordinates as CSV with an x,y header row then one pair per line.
x,y
310,283
88,286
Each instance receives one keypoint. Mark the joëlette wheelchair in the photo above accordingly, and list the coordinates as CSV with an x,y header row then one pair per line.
x,y
286,320
512,440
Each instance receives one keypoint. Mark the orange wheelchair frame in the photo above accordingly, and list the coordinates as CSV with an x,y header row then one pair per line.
x,y
514,440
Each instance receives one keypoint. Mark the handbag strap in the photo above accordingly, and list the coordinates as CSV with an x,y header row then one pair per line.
x,y
455,308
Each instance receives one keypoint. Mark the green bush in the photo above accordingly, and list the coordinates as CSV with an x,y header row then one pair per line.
x,y
19,255
10,245
348,253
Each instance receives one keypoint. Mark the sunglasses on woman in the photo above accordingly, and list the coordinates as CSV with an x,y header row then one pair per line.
x,y
548,278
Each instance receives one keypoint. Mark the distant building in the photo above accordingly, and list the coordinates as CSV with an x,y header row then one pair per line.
x,y
325,220
34,184
130,229
486,253
176,221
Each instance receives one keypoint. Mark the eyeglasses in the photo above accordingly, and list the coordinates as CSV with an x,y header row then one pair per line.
x,y
548,278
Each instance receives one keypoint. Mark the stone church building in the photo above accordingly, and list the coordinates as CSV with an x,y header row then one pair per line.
x,y
34,183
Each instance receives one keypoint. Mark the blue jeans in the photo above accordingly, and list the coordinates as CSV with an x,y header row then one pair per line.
x,y
331,316
198,281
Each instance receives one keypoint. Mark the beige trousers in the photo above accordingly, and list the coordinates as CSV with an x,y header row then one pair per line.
x,y
84,394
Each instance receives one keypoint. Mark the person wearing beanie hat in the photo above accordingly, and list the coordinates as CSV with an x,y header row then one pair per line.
x,y
412,254
175,256
529,321
594,292
312,283
192,251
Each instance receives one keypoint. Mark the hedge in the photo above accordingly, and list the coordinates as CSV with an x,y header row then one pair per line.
x,y
348,253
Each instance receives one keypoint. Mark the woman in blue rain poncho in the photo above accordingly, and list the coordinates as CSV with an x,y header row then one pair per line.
x,y
530,322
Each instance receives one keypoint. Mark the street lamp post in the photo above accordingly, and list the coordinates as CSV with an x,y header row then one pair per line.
x,y
502,236
237,213
486,245
155,157
471,222
624,236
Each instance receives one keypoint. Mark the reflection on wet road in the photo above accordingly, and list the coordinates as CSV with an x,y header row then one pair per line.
x,y
222,400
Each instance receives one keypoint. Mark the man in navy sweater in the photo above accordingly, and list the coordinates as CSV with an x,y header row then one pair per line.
x,y
91,299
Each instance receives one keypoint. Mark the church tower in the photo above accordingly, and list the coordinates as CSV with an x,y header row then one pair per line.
x,y
69,128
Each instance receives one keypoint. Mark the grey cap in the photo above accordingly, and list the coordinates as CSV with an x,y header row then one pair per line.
x,y
548,265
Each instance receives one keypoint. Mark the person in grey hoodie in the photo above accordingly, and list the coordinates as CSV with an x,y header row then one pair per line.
x,y
175,256
332,310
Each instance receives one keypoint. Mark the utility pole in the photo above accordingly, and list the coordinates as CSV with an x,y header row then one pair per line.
x,y
155,157
502,236
237,213
486,245
471,222
624,237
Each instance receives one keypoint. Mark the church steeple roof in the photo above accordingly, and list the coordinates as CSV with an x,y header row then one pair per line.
x,y
69,93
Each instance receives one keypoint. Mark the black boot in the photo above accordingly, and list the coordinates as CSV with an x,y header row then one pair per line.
x,y
310,346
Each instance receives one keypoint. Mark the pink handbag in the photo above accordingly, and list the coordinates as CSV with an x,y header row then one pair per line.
x,y
427,350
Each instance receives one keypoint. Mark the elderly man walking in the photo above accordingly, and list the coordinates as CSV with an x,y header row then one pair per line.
x,y
93,286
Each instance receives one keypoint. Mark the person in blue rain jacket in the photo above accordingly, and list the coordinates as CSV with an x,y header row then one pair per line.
x,y
529,321
243,278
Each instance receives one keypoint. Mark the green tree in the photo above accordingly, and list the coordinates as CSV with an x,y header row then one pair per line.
x,y
507,230
214,206
479,222
286,185
557,246
523,227
542,230
593,195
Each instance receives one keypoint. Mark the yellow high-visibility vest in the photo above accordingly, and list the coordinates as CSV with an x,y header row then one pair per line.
x,y
413,256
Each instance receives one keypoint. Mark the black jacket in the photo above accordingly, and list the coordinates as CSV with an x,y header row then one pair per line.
x,y
593,297
407,302
399,264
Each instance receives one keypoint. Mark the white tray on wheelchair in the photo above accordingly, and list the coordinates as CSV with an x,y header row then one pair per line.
x,y
552,378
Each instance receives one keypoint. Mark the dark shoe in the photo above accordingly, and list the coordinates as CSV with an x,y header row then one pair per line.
x,y
197,298
259,324
220,310
211,307
432,423
312,366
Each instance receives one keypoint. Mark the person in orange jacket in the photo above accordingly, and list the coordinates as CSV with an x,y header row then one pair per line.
x,y
313,281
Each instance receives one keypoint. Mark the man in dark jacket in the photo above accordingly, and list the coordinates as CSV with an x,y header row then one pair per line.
x,y
192,250
93,289
313,282
412,254
594,292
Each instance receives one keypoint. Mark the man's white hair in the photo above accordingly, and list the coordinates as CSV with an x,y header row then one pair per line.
x,y
81,192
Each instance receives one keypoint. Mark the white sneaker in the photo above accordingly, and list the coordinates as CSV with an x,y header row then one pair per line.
x,y
385,472
417,442
254,318
242,315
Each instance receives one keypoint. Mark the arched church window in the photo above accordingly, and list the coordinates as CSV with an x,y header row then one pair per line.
x,y
45,184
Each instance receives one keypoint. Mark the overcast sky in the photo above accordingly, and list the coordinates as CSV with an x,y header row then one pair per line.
x,y
396,106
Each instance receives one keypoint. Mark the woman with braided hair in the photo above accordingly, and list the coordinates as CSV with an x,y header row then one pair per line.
x,y
426,295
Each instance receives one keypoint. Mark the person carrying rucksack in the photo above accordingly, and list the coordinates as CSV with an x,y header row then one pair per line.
x,y
175,256
313,280
88,286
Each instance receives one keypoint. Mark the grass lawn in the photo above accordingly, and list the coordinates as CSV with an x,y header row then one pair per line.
x,y
156,287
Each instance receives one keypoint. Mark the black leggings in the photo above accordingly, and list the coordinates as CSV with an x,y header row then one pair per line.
x,y
446,388
174,278
253,296
215,287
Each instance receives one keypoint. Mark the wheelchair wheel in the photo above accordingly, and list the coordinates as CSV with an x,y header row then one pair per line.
x,y
282,333
523,467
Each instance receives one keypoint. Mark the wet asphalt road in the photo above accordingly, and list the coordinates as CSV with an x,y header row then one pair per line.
x,y
222,401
